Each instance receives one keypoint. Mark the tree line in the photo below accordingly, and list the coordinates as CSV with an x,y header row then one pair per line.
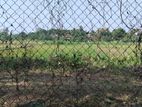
x,y
72,35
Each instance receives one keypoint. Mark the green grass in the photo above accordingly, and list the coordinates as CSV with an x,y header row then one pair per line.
x,y
99,53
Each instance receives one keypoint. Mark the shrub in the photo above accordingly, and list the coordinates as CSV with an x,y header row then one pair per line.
x,y
72,61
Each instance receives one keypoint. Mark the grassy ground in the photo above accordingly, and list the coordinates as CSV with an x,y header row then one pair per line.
x,y
100,53
101,74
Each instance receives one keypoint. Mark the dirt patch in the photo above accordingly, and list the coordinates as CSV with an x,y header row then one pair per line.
x,y
101,87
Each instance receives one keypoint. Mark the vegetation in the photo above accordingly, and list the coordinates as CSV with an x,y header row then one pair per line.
x,y
99,53
68,68
72,35
102,47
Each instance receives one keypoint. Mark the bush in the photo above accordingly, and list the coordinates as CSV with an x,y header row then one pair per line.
x,y
13,63
72,61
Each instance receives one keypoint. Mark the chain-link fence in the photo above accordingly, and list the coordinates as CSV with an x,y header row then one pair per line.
x,y
52,53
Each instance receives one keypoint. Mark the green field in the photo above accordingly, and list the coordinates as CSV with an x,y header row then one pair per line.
x,y
100,53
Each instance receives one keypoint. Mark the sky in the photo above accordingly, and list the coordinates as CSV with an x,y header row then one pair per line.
x,y
28,15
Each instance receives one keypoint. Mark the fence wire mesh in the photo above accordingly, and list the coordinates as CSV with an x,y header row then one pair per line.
x,y
52,52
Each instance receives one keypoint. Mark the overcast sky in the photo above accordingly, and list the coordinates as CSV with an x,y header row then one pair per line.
x,y
27,15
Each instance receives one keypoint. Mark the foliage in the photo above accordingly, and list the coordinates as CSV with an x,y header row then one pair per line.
x,y
118,33
131,37
61,59
14,63
4,37
104,34
78,35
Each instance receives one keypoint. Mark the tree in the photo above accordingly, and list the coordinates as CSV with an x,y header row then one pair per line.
x,y
82,34
75,34
103,34
118,33
131,35
78,34
41,34
4,36
22,35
